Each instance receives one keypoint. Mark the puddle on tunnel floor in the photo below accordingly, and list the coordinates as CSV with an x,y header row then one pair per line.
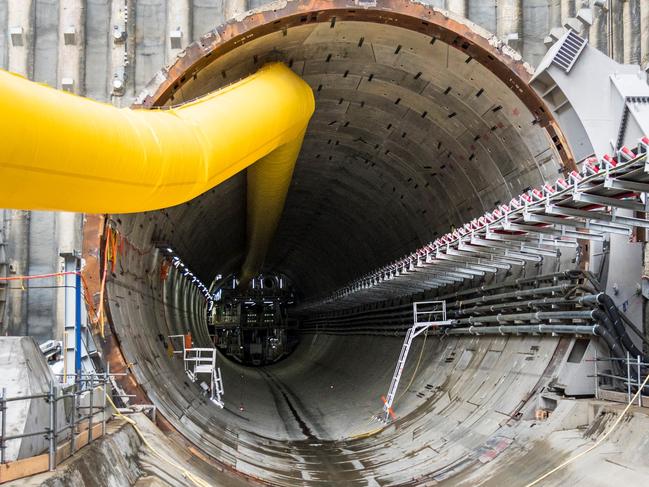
x,y
326,462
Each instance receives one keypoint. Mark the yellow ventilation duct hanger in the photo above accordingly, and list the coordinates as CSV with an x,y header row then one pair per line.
x,y
64,152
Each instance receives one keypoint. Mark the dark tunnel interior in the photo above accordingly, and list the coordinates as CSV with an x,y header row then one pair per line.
x,y
412,136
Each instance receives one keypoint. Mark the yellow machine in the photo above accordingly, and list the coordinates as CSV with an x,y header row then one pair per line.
x,y
65,152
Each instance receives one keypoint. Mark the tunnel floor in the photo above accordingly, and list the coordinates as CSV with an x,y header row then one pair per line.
x,y
310,417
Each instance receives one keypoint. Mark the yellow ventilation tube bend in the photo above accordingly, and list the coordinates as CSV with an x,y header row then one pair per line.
x,y
268,182
64,152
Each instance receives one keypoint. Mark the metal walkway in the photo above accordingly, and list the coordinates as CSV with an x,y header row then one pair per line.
x,y
604,198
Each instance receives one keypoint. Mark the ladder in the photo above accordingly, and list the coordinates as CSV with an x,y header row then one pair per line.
x,y
217,387
394,385
425,315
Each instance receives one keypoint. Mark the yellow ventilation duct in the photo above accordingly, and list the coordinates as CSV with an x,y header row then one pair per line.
x,y
64,152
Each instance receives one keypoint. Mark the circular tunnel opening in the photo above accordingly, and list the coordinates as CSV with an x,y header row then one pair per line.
x,y
252,325
423,121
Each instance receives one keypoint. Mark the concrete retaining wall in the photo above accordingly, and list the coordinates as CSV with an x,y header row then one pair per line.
x,y
25,372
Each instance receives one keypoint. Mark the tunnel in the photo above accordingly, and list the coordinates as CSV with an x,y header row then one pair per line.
x,y
423,122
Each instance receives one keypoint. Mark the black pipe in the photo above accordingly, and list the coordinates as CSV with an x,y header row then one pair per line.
x,y
559,301
525,329
513,294
613,313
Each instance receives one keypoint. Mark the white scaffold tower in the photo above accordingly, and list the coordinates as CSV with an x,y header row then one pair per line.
x,y
200,363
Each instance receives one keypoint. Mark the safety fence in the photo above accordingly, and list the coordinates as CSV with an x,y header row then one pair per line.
x,y
83,404
621,374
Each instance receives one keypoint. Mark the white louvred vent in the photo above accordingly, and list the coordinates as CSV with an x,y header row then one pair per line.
x,y
569,51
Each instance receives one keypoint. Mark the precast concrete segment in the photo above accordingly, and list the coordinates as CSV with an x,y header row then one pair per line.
x,y
423,121
439,24
303,421
64,152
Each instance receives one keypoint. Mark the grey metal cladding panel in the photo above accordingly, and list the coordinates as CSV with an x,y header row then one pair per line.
x,y
575,134
97,49
634,40
4,33
150,30
206,15
46,43
43,259
483,13
536,25
256,3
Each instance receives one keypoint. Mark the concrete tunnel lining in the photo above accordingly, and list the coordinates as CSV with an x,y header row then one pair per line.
x,y
373,82
375,179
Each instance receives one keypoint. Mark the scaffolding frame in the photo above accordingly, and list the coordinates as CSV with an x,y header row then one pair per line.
x,y
200,362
